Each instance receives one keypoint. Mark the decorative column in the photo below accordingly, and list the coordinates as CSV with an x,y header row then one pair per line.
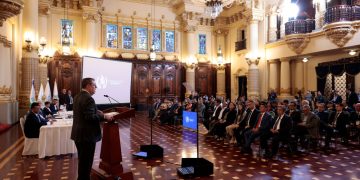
x,y
299,76
43,33
285,79
190,24
273,75
220,82
272,25
30,59
91,16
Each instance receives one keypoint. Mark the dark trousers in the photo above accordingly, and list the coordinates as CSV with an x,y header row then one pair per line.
x,y
276,139
86,152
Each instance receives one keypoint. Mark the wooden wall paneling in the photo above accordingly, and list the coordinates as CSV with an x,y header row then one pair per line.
x,y
156,80
205,79
170,80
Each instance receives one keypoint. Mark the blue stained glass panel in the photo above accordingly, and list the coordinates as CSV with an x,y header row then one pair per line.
x,y
127,37
156,35
170,41
142,38
67,28
111,36
202,44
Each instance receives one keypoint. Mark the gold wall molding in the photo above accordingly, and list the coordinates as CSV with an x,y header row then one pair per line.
x,y
297,42
4,90
9,8
3,40
339,33
285,91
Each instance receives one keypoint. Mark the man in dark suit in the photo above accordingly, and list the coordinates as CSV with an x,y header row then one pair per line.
x,y
248,123
63,97
86,127
262,126
337,124
351,99
46,110
336,99
279,132
34,121
323,116
54,106
215,115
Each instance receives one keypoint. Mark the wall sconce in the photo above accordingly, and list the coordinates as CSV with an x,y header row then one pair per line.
x,y
42,43
152,53
191,62
305,60
352,52
28,42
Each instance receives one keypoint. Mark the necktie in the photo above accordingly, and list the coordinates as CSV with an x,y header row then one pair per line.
x,y
259,120
248,118
337,115
277,123
38,117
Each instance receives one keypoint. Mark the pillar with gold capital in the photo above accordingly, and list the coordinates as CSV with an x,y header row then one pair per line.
x,y
273,75
272,26
91,17
220,75
30,59
285,78
253,61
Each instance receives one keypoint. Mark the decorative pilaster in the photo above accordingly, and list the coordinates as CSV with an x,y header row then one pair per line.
x,y
190,79
220,82
253,79
91,17
285,79
272,25
299,76
273,75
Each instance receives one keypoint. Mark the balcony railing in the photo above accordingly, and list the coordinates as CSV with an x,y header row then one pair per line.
x,y
299,26
342,13
240,45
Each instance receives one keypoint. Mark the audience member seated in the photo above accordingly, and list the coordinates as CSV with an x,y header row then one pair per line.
x,y
54,106
261,127
323,117
215,115
309,125
34,121
336,98
226,121
230,129
294,114
337,124
279,132
46,110
221,117
247,124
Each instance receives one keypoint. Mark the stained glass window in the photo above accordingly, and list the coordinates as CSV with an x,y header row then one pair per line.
x,y
127,37
202,44
67,32
169,41
156,35
111,36
142,39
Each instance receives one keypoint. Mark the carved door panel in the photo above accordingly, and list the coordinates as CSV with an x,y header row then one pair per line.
x,y
142,81
156,79
170,80
204,80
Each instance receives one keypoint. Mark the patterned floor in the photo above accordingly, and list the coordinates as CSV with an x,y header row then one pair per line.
x,y
229,163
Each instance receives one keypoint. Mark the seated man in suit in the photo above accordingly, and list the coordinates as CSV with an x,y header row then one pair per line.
x,y
279,132
46,110
248,123
34,121
221,117
54,106
337,124
310,123
261,127
323,117
215,115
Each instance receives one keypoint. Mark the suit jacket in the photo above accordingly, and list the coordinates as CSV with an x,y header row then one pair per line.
x,y
295,116
250,120
352,99
265,124
86,125
231,116
32,125
46,111
285,125
217,112
62,99
52,108
341,122
312,125
338,99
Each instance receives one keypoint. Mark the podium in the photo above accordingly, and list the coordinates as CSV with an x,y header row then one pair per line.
x,y
110,166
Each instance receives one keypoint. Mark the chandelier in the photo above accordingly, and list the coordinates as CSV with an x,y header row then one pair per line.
x,y
213,8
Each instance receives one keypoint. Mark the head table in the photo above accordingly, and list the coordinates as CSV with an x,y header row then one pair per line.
x,y
54,138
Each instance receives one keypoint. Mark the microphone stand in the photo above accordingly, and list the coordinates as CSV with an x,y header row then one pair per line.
x,y
113,99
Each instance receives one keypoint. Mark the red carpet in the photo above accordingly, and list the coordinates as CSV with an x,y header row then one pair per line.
x,y
4,127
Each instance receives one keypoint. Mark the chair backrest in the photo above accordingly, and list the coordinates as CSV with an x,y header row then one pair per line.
x,y
22,122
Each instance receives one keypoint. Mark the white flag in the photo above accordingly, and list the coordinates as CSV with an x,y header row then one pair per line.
x,y
41,93
47,91
55,91
32,93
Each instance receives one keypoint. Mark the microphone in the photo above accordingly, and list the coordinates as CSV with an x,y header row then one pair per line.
x,y
108,98
105,95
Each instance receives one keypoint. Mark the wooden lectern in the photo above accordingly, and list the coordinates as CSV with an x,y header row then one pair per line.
x,y
110,165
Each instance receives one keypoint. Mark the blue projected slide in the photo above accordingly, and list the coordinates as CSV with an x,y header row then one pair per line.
x,y
190,120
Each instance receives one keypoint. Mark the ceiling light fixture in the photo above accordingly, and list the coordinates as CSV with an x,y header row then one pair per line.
x,y
305,60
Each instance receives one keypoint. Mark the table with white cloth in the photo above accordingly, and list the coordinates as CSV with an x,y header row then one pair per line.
x,y
54,138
